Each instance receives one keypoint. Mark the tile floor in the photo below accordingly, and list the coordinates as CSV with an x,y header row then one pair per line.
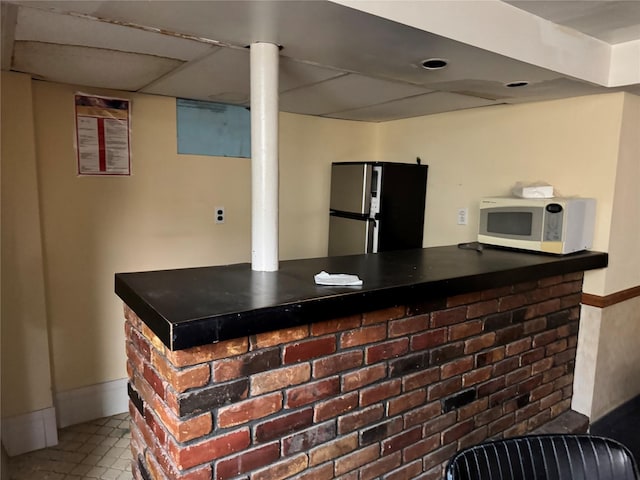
x,y
97,449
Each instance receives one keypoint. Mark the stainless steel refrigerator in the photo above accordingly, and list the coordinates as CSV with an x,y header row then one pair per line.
x,y
376,207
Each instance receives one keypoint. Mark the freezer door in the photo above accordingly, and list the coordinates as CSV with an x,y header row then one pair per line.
x,y
351,188
348,236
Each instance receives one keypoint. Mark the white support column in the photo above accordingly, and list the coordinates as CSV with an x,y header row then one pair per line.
x,y
264,157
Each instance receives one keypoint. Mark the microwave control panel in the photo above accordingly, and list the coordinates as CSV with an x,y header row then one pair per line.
x,y
552,226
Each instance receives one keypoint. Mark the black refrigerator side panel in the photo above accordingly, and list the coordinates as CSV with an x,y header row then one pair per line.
x,y
402,203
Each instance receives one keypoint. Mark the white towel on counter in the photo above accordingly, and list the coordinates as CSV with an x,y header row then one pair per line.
x,y
324,278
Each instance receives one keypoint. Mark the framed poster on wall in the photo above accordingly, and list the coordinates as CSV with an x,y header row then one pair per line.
x,y
103,135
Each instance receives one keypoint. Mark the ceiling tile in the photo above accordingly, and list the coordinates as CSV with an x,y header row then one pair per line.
x,y
92,67
221,77
295,74
344,93
435,102
44,26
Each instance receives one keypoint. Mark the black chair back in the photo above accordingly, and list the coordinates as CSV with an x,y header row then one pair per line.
x,y
545,457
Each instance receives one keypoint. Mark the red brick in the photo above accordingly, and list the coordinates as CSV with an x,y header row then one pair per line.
x,y
379,392
527,411
534,326
247,461
444,388
453,433
323,367
210,449
477,376
552,374
284,469
540,392
464,299
550,400
363,336
560,407
384,351
140,344
247,410
474,438
456,367
405,402
183,430
517,347
279,337
501,424
248,364
532,356
358,419
496,292
488,416
505,366
517,430
451,316
406,326
420,379
518,375
336,406
511,302
311,392
180,380
540,309
277,379
438,424
154,380
541,366
563,381
539,420
402,440
490,387
333,449
207,353
422,414
323,472
421,447
476,344
380,466
356,459
482,308
406,471
556,347
309,438
335,325
439,457
466,329
502,396
429,339
273,428
306,350
472,409
378,316
362,377
489,357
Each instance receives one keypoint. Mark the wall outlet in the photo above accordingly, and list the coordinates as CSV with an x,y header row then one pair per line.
x,y
463,213
219,214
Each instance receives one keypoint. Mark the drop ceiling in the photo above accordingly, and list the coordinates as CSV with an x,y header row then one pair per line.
x,y
346,59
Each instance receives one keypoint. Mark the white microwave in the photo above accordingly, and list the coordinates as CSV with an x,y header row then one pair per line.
x,y
550,225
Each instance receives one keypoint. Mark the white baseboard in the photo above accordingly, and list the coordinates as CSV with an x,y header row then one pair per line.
x,y
28,432
88,403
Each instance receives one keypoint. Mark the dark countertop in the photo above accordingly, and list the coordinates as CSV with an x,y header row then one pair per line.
x,y
196,306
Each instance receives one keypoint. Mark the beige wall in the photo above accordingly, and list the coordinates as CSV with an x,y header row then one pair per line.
x,y
26,376
608,362
160,217
572,144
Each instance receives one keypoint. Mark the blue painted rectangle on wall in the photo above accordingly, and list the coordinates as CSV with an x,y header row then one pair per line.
x,y
217,129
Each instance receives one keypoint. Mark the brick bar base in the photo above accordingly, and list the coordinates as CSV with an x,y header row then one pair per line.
x,y
389,394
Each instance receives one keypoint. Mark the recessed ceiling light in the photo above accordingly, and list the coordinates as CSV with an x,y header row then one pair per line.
x,y
434,63
519,83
